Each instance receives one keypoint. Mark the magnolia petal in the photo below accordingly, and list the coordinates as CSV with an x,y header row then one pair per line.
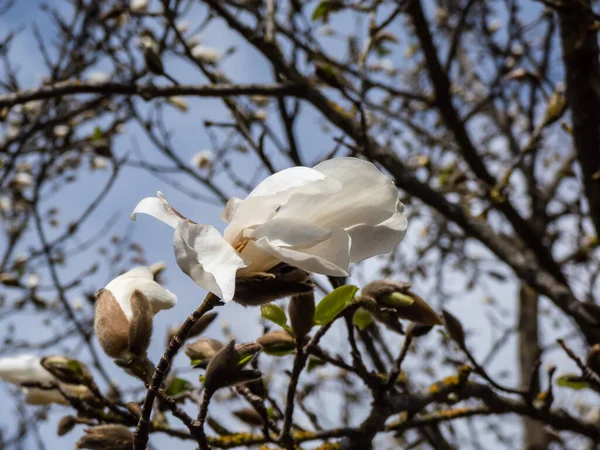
x,y
257,259
289,233
159,208
203,254
275,191
369,240
367,196
230,208
330,257
23,369
140,278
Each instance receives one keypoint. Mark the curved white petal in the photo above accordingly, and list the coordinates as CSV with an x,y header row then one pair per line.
x,y
159,208
24,368
203,254
275,191
372,240
330,257
140,278
289,233
257,259
367,196
230,208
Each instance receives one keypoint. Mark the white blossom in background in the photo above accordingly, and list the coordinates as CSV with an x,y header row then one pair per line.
x,y
99,163
61,130
22,180
157,268
326,30
138,5
260,114
126,302
178,102
11,132
183,26
33,280
28,369
5,204
319,220
98,77
208,55
203,159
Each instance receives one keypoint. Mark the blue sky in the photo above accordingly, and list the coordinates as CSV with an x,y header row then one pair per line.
x,y
189,137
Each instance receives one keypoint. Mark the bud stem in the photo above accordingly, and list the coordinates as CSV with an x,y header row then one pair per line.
x,y
143,428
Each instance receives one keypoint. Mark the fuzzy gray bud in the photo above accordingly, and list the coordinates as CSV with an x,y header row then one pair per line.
x,y
106,437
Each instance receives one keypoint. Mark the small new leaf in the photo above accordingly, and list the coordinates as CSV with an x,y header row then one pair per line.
x,y
572,381
275,314
333,304
324,8
362,318
177,386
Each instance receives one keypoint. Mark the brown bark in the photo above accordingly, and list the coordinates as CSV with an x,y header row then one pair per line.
x,y
580,53
534,436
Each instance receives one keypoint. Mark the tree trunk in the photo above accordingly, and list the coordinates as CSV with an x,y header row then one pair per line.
x,y
534,436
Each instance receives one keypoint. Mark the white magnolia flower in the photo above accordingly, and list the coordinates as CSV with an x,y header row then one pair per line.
x,y
319,220
119,310
183,26
208,55
28,369
33,280
203,159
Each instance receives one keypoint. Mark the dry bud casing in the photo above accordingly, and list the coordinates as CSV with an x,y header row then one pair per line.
x,y
278,342
223,370
203,349
286,281
66,424
302,310
106,437
455,328
405,303
249,416
118,336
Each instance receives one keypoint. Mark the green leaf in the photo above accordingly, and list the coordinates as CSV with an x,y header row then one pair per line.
x,y
362,318
1,162
324,8
313,363
275,314
572,381
177,386
382,50
283,349
195,362
97,135
245,359
74,365
333,304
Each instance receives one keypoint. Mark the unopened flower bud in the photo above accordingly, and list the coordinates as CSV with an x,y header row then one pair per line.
x,y
134,408
203,350
405,303
202,324
302,310
249,416
124,312
415,330
66,424
223,370
67,370
106,437
455,328
277,343
284,282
